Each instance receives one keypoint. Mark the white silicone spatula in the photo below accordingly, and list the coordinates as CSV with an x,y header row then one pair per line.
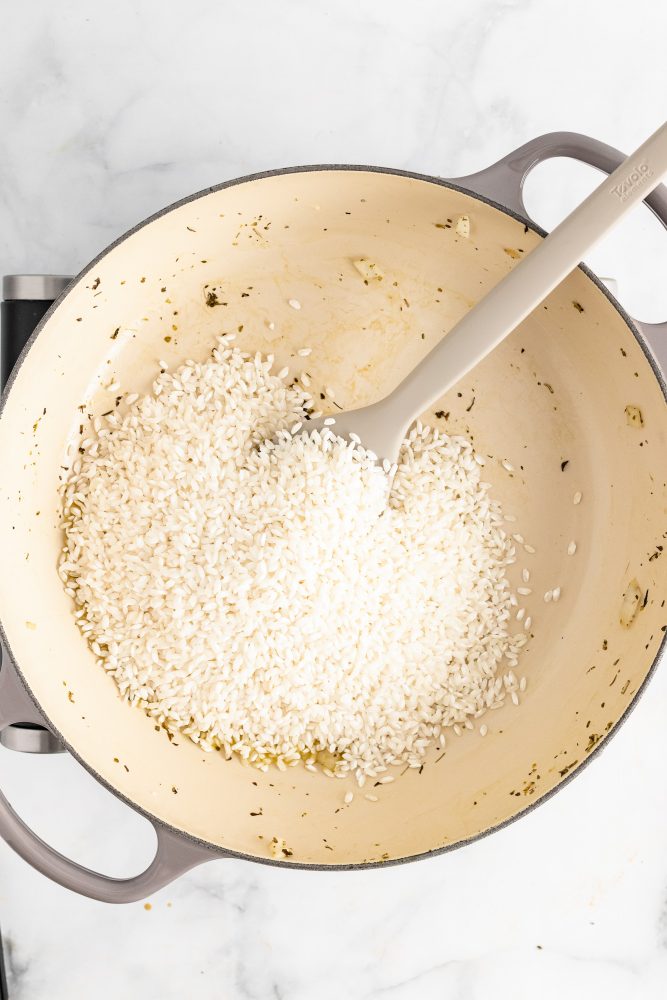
x,y
382,426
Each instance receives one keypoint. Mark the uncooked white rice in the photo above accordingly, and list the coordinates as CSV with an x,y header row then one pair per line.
x,y
239,583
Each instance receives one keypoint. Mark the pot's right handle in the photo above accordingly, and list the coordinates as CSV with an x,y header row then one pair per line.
x,y
503,183
176,853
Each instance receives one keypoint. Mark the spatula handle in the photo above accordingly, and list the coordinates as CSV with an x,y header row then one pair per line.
x,y
503,182
532,279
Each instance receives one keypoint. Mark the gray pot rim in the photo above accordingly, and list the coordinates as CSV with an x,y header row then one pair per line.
x,y
216,850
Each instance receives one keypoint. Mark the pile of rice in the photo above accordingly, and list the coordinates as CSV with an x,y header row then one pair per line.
x,y
255,587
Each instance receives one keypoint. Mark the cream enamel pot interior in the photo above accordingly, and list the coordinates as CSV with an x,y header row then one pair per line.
x,y
553,399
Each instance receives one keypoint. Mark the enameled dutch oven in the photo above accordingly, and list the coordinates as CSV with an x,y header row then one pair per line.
x,y
575,398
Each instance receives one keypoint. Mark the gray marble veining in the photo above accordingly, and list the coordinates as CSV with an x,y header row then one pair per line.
x,y
110,112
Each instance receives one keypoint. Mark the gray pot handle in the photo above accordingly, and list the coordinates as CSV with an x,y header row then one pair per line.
x,y
503,183
176,853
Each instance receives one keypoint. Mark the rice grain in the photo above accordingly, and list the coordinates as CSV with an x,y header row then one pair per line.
x,y
231,572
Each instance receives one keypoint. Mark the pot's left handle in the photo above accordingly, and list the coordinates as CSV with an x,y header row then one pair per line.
x,y
176,853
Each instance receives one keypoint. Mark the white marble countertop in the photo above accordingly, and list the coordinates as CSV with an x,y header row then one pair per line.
x,y
108,114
